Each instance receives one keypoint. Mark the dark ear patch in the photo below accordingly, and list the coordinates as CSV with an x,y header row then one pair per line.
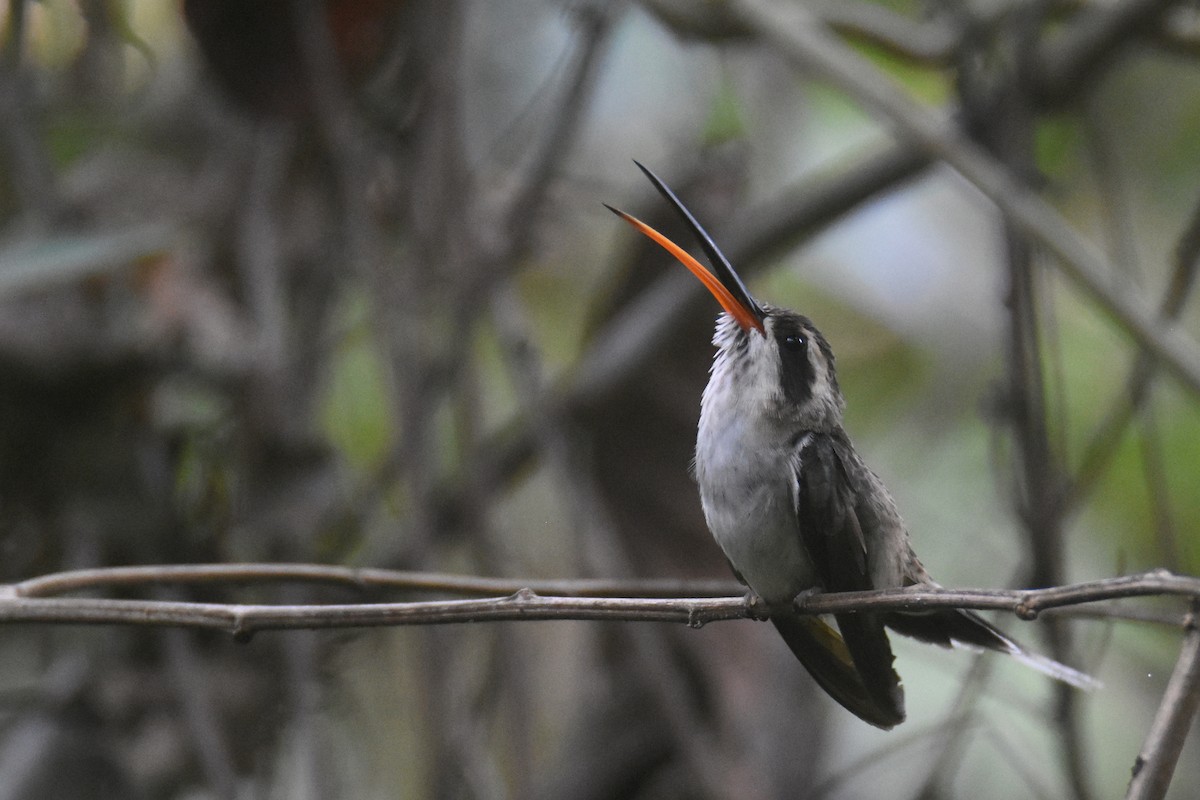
x,y
796,373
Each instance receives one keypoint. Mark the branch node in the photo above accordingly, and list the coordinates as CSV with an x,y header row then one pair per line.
x,y
1026,609
241,632
523,595
761,610
359,579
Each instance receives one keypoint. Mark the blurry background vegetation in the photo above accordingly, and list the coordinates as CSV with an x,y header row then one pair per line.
x,y
306,281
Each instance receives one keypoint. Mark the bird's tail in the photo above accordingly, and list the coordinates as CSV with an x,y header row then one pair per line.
x,y
961,628
824,654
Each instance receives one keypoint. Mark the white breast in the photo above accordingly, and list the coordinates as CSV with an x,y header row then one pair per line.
x,y
745,471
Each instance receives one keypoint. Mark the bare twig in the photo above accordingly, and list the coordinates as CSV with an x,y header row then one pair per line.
x,y
360,579
1156,763
244,620
525,604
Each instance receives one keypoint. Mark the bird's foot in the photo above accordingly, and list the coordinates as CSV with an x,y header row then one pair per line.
x,y
763,610
760,609
799,600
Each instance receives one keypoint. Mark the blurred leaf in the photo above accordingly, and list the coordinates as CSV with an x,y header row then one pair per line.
x,y
499,397
57,31
201,419
71,135
1057,143
356,413
120,18
203,491
725,120
554,298
1158,145
926,85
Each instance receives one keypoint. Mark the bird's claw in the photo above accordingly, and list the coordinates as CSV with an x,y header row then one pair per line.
x,y
801,599
763,610
759,609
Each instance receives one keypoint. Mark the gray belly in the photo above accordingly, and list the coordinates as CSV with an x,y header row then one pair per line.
x,y
751,518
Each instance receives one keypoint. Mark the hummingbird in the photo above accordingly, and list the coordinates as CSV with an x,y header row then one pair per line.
x,y
794,507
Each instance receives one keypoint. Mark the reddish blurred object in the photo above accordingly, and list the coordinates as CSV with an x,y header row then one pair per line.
x,y
255,53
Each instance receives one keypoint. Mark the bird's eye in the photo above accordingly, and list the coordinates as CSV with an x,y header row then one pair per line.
x,y
797,371
795,342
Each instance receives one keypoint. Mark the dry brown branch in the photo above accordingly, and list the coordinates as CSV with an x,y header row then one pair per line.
x,y
356,578
1156,764
27,601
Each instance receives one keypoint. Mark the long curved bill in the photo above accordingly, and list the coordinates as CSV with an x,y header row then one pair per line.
x,y
725,284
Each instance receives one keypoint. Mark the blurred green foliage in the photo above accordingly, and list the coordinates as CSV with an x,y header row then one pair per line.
x,y
355,409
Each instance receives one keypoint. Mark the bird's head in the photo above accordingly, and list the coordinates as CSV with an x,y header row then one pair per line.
x,y
770,361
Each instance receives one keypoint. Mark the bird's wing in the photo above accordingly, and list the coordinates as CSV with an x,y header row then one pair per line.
x,y
832,532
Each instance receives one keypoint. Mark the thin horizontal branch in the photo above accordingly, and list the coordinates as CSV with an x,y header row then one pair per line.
x,y
1026,604
242,620
360,579
20,603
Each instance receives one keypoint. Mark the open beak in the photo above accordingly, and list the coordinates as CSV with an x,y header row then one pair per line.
x,y
725,284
